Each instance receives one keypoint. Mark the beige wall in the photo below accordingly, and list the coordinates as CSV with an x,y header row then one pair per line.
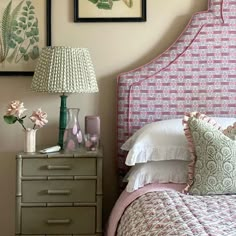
x,y
115,48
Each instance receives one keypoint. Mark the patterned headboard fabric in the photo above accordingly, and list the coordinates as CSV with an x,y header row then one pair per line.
x,y
197,73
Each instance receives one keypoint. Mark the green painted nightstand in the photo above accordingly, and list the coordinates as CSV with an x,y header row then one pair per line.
x,y
59,193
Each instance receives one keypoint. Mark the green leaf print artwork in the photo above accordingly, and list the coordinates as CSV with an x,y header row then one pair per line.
x,y
19,33
107,4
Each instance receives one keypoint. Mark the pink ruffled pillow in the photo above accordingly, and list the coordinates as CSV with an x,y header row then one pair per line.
x,y
230,132
187,132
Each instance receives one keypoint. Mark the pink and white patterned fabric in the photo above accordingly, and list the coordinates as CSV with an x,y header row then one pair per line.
x,y
197,73
126,198
172,213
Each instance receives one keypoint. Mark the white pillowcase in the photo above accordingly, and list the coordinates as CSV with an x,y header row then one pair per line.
x,y
161,140
224,122
156,172
158,141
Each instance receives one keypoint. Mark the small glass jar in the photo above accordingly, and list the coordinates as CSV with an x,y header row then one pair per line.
x,y
91,142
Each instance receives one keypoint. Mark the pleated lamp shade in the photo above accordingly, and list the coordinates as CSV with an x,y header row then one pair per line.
x,y
64,70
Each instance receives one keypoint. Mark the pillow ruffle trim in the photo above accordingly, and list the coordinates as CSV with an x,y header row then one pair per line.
x,y
230,131
146,154
188,135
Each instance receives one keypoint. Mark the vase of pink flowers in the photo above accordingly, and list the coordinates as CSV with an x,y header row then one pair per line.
x,y
14,113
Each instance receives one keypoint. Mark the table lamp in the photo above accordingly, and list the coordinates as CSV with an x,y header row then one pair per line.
x,y
64,70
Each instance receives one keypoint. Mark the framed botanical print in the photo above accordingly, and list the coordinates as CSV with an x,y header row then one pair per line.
x,y
109,10
25,30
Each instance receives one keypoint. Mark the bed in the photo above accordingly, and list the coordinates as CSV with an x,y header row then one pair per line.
x,y
193,82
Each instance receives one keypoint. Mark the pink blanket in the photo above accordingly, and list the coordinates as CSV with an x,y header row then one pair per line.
x,y
126,198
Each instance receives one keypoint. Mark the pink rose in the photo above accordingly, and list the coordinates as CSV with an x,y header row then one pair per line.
x,y
15,108
39,118
14,114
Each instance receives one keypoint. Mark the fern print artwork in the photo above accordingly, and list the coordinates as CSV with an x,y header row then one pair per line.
x,y
108,4
110,10
21,33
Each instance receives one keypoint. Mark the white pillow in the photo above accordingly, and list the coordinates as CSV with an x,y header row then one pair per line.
x,y
156,172
161,140
224,122
158,141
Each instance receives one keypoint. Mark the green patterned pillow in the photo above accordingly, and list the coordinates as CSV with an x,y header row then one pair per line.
x,y
215,164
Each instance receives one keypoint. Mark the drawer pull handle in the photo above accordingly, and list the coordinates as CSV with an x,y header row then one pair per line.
x,y
58,192
56,221
62,167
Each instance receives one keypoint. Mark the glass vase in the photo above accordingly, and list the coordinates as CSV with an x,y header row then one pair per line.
x,y
30,140
73,137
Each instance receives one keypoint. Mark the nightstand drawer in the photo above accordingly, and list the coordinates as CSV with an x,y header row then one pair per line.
x,y
58,220
59,191
59,166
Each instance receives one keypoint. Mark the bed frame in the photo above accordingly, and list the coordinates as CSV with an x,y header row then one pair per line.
x,y
197,73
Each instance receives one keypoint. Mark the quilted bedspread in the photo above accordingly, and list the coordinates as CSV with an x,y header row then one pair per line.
x,y
172,213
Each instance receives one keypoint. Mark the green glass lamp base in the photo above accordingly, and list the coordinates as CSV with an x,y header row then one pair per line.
x,y
62,120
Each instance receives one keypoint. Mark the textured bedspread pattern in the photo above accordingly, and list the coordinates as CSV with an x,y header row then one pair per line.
x,y
172,213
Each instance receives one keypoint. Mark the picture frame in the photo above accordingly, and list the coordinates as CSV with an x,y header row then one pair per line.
x,y
30,31
109,11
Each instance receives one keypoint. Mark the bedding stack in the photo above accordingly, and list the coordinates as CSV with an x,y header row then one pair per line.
x,y
157,153
163,151
182,179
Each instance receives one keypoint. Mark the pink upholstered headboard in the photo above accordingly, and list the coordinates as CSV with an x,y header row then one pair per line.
x,y
197,73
